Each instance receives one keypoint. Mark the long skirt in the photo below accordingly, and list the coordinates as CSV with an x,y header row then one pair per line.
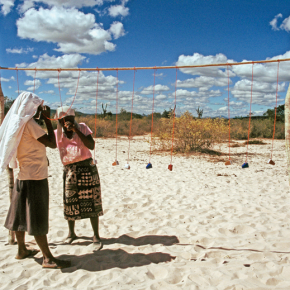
x,y
28,210
81,191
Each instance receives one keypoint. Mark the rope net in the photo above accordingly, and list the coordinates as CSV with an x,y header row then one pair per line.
x,y
181,94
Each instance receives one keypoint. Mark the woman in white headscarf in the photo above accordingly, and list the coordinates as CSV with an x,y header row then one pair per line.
x,y
21,136
81,182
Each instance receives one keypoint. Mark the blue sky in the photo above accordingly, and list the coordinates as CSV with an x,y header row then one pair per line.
x,y
128,33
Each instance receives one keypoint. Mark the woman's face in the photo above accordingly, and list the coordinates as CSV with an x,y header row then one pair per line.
x,y
66,119
37,114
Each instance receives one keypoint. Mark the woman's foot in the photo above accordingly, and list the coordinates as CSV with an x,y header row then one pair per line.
x,y
97,244
26,253
70,238
55,264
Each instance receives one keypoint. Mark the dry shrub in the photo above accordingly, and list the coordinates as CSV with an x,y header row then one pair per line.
x,y
190,134
255,142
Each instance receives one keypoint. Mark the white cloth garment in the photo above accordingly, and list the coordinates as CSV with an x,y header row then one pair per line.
x,y
22,110
61,112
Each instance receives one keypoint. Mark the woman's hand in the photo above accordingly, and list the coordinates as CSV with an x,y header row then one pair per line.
x,y
45,111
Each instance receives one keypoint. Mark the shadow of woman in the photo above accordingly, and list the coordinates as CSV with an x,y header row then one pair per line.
x,y
127,240
140,241
108,259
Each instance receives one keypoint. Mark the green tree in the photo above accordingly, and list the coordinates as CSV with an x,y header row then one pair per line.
x,y
167,114
280,113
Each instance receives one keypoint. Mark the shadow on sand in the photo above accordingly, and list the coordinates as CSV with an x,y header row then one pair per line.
x,y
126,240
108,258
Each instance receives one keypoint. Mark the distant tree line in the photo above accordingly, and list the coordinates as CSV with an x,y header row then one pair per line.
x,y
280,113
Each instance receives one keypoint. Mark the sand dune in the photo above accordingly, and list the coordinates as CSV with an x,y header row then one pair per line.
x,y
202,226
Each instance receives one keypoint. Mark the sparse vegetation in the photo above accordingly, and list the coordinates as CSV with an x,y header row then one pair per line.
x,y
260,128
255,142
191,134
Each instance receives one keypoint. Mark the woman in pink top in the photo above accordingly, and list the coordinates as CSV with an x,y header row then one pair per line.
x,y
81,182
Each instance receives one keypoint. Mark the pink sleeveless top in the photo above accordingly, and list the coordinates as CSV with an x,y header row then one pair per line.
x,y
73,150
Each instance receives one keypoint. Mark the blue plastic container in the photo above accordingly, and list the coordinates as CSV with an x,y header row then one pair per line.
x,y
245,165
149,165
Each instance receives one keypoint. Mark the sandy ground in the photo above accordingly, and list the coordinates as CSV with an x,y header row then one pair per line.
x,y
202,226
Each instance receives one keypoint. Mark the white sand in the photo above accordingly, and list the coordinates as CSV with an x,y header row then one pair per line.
x,y
202,226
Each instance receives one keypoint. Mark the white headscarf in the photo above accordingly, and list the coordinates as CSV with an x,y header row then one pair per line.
x,y
60,113
11,130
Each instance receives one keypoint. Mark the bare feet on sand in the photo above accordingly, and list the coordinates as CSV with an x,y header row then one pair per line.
x,y
70,239
55,264
26,253
97,244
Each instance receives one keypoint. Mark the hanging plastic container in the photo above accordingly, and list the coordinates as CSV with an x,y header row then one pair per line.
x,y
127,166
170,167
245,165
115,163
229,162
270,161
149,165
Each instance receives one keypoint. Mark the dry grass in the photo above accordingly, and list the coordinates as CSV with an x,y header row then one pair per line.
x,y
262,128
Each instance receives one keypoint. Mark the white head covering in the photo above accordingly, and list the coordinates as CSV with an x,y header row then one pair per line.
x,y
62,112
22,110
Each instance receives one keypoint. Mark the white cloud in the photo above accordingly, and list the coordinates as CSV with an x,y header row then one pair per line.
x,y
117,10
263,93
7,80
266,72
46,61
6,6
53,105
159,75
158,88
72,30
161,97
273,22
236,104
35,84
68,79
27,4
50,92
223,109
286,24
199,59
117,29
4,79
203,82
19,50
203,95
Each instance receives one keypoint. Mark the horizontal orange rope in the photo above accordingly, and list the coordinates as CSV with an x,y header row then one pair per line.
x,y
151,67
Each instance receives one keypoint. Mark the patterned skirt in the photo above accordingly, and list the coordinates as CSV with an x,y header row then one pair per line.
x,y
81,191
